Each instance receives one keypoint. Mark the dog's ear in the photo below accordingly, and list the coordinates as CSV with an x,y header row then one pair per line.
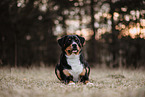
x,y
61,41
82,39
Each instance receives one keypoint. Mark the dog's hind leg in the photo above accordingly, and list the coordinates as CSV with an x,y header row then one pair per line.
x,y
57,72
88,70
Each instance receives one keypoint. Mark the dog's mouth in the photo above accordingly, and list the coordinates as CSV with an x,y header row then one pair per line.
x,y
73,51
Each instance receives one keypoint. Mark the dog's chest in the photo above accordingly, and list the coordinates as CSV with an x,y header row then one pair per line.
x,y
77,67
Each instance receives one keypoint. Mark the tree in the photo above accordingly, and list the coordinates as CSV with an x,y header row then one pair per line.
x,y
123,8
26,34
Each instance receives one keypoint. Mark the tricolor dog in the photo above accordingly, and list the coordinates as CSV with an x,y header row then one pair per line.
x,y
72,67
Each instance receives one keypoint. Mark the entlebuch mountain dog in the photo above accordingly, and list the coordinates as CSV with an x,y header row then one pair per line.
x,y
72,67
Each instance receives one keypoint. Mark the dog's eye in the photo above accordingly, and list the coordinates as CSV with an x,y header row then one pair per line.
x,y
69,40
76,39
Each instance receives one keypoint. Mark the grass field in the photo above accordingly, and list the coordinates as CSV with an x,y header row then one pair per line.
x,y
42,82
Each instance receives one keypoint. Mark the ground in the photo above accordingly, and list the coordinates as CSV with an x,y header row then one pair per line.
x,y
42,82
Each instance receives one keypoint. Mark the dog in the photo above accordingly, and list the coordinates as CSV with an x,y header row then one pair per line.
x,y
72,67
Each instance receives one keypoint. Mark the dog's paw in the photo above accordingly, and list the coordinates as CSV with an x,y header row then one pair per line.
x,y
90,84
71,83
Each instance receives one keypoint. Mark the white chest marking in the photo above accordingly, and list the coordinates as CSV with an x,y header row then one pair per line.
x,y
77,68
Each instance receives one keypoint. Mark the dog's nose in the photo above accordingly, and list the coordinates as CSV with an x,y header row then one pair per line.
x,y
74,45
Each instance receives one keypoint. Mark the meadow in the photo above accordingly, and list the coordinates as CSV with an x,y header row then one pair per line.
x,y
42,82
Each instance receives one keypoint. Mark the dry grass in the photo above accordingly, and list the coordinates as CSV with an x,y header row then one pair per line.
x,y
42,82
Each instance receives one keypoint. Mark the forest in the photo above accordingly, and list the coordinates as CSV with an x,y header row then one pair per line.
x,y
114,31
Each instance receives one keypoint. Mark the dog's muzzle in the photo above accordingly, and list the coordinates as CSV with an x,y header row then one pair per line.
x,y
74,50
74,47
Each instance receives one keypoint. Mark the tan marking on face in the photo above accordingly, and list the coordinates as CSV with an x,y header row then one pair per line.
x,y
79,49
68,48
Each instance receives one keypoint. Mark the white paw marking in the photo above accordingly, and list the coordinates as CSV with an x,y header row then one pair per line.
x,y
71,84
89,83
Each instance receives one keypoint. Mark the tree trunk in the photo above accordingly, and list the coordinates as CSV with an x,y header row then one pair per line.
x,y
92,43
16,50
113,43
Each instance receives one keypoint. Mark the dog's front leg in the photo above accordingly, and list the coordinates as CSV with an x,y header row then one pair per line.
x,y
68,78
84,77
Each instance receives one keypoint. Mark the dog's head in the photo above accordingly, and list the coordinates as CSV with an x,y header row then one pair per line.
x,y
71,44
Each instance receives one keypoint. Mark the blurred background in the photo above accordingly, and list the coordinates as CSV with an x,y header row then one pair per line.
x,y
114,31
